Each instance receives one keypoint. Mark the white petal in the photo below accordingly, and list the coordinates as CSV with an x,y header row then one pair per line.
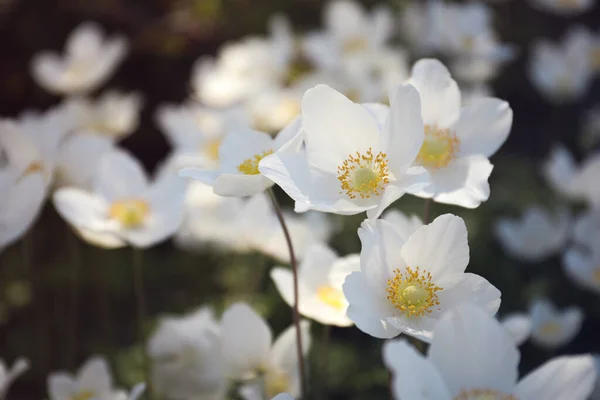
x,y
404,225
518,326
120,176
94,376
472,289
563,378
440,96
335,127
82,209
414,377
240,144
371,325
284,354
61,386
246,341
472,350
241,185
441,247
483,126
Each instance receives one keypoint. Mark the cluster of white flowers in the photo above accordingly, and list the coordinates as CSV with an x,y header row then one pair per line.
x,y
339,121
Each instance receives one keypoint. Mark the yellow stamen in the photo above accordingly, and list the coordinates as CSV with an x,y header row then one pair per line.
x,y
550,328
130,213
439,147
332,297
33,168
364,175
276,382
250,166
355,45
568,3
595,57
211,149
596,274
412,292
83,395
483,394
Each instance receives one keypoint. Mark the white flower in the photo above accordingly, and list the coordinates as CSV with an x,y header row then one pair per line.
x,y
134,394
561,72
272,110
249,352
114,114
349,29
88,62
518,326
405,287
474,92
458,141
320,278
93,381
552,328
537,235
8,375
123,207
196,132
186,356
586,230
403,224
582,185
583,266
472,357
559,170
424,25
22,183
239,155
563,7
78,159
355,157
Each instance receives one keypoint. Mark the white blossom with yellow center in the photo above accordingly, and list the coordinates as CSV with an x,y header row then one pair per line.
x,y
472,357
457,140
250,353
89,60
552,328
123,207
240,152
349,157
404,286
320,278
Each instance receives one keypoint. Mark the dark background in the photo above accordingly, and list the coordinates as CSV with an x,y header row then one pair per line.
x,y
41,297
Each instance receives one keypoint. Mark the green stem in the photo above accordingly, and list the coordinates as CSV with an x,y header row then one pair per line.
x,y
296,313
138,288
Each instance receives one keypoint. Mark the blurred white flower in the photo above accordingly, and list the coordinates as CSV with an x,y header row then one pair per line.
x,y
114,114
123,206
320,278
239,155
560,72
134,394
586,230
78,159
572,181
186,357
88,62
272,110
8,375
518,326
474,92
403,224
583,266
249,352
196,132
590,135
458,141
405,287
423,25
22,183
283,396
537,235
93,381
355,157
472,357
349,29
552,328
563,7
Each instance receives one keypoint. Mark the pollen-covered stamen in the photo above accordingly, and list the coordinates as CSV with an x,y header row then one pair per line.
x,y
412,292
332,297
439,147
364,175
250,166
483,394
211,148
355,45
83,395
276,382
551,328
130,213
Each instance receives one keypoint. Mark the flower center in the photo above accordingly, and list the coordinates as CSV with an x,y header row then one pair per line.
x,y
596,274
83,395
468,43
483,394
332,297
355,45
250,166
364,175
595,57
276,382
568,3
211,149
33,168
130,213
412,292
550,328
439,147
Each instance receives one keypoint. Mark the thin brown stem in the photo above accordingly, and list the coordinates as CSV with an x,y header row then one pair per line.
x,y
138,287
427,211
296,313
